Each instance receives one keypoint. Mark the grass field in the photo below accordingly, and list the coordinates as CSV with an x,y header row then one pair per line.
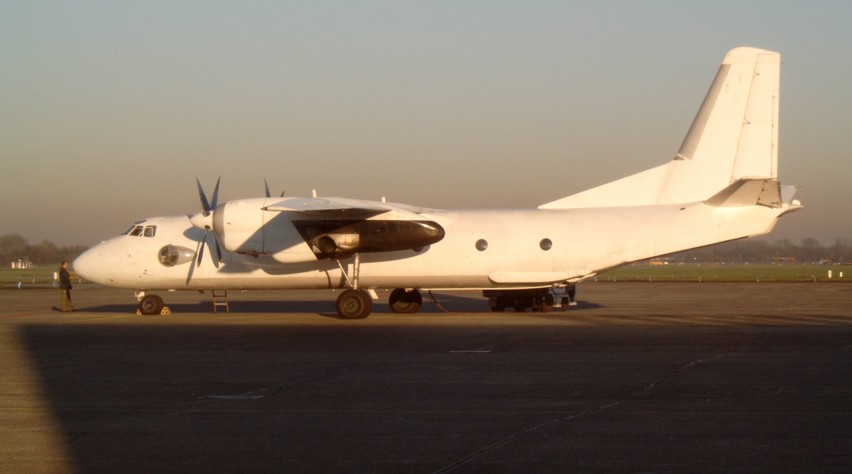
x,y
31,276
720,272
637,272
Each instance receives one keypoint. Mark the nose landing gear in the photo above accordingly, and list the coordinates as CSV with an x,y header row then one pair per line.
x,y
149,304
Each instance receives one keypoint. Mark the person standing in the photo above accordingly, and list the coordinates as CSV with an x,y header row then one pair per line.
x,y
65,286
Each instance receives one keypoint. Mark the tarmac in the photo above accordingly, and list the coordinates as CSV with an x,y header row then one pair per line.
x,y
639,377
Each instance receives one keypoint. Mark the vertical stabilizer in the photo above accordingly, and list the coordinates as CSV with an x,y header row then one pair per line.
x,y
734,135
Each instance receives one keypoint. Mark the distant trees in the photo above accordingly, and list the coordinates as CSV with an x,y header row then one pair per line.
x,y
761,251
14,247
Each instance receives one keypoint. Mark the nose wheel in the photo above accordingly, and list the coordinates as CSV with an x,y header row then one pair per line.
x,y
150,305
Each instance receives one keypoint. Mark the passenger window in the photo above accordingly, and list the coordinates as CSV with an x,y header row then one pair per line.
x,y
137,231
150,231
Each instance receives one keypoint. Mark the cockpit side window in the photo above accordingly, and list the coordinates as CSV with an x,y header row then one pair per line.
x,y
150,231
135,229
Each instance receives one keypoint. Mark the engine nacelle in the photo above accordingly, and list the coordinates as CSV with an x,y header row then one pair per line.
x,y
341,237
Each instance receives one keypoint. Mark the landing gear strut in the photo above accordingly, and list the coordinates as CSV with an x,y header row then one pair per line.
x,y
354,303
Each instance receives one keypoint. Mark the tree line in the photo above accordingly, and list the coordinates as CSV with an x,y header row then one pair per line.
x,y
14,247
784,251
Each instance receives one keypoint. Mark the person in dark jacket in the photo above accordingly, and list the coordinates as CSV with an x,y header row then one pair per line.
x,y
65,285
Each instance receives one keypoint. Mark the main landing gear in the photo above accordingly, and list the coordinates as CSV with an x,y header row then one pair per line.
x,y
405,300
539,299
354,303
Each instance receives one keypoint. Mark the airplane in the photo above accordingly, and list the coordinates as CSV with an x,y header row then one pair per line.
x,y
721,185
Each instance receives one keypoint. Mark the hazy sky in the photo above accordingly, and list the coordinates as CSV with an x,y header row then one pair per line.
x,y
109,110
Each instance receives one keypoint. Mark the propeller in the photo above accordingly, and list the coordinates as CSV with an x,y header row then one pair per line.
x,y
266,187
204,220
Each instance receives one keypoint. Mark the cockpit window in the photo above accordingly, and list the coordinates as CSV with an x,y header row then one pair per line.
x,y
139,231
135,229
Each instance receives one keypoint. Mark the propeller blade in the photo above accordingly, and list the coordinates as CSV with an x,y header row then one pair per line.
x,y
216,194
201,249
266,186
218,250
214,248
207,209
205,205
191,266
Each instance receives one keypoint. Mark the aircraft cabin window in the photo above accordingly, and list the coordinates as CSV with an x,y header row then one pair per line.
x,y
481,245
150,231
137,231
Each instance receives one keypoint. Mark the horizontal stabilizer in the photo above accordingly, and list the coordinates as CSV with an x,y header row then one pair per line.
x,y
748,192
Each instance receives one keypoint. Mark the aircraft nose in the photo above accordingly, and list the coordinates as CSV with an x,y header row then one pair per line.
x,y
87,263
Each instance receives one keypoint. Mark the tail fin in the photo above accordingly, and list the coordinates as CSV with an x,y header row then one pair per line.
x,y
734,136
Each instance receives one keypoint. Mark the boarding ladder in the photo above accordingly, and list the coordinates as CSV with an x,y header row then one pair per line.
x,y
220,298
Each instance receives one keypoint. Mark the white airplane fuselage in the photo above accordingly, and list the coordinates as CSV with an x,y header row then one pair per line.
x,y
583,242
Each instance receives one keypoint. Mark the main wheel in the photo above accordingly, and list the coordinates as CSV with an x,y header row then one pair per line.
x,y
150,305
543,304
354,304
402,301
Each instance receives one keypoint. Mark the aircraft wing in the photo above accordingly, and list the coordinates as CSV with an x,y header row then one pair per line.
x,y
333,207
330,207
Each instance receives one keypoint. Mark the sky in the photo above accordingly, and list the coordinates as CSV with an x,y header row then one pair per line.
x,y
110,110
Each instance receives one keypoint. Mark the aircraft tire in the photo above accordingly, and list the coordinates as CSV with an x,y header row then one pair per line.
x,y
354,304
151,305
544,305
403,302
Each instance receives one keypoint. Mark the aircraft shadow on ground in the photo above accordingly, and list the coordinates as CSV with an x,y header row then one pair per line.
x,y
130,398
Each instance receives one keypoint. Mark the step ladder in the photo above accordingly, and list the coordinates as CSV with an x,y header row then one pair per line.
x,y
220,298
